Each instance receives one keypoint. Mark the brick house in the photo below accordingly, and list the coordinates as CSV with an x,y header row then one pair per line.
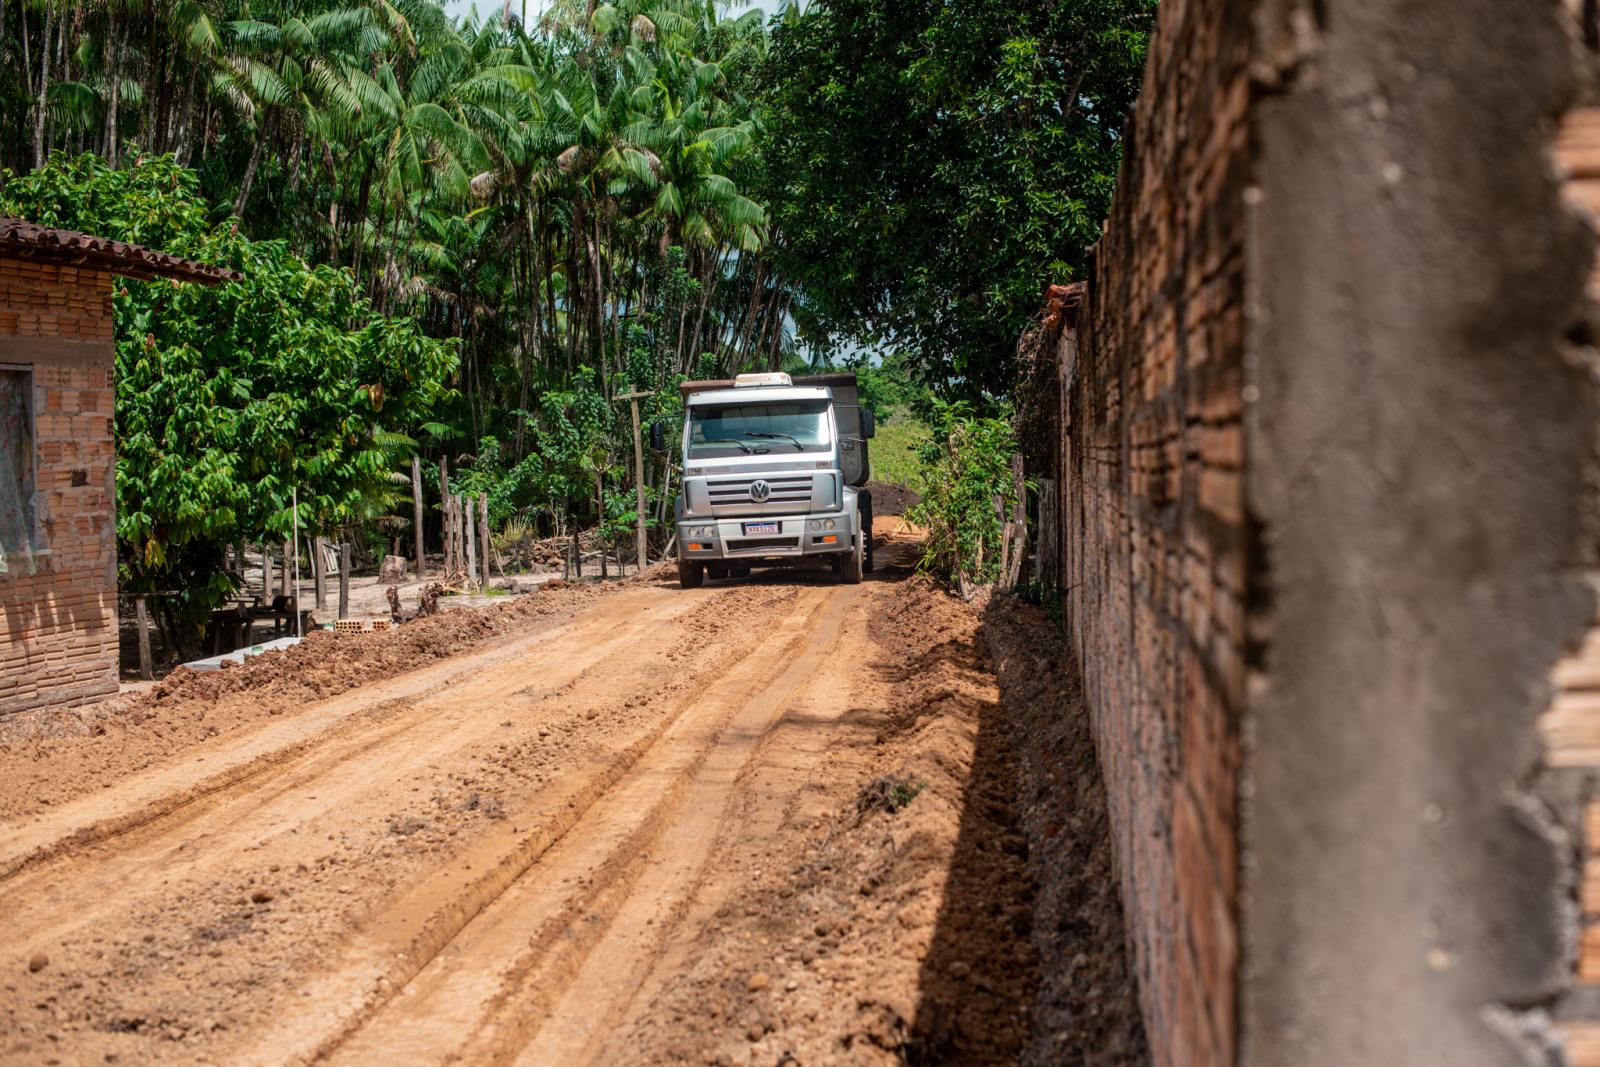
x,y
58,568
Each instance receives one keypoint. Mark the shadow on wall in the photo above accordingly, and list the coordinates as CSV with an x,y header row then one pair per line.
x,y
31,618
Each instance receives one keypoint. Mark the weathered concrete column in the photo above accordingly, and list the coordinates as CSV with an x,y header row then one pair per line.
x,y
1419,442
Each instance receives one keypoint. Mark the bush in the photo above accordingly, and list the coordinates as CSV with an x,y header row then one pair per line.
x,y
968,485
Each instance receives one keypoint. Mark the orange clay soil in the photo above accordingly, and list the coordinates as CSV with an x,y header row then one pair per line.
x,y
766,821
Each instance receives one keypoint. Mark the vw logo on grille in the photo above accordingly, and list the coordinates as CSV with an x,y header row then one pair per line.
x,y
759,491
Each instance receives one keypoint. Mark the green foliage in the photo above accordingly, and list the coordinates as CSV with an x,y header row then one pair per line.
x,y
897,453
891,388
933,165
966,469
230,398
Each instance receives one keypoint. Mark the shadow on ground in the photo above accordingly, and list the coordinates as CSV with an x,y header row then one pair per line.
x,y
1032,867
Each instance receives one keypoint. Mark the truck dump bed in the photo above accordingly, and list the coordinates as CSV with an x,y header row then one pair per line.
x,y
847,410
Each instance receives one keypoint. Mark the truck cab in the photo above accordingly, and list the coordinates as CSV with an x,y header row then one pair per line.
x,y
774,471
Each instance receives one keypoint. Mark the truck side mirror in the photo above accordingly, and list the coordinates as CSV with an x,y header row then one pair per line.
x,y
869,424
658,437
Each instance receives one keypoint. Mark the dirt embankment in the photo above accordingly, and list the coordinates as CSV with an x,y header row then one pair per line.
x,y
49,757
885,921
951,901
1086,1009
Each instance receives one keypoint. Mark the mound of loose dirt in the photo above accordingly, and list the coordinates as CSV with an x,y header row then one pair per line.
x,y
47,758
888,499
895,928
1087,1012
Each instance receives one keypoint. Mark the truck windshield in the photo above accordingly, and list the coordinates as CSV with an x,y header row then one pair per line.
x,y
718,430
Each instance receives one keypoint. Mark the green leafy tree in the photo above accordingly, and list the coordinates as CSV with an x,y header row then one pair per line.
x,y
231,399
933,165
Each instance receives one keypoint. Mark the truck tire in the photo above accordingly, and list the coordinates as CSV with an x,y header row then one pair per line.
x,y
691,575
850,565
867,566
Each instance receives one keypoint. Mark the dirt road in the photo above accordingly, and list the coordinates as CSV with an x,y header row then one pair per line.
x,y
654,826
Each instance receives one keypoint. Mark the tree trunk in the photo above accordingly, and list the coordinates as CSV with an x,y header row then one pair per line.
x,y
284,582
44,85
115,74
249,173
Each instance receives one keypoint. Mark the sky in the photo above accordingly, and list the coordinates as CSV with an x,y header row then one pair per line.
x,y
460,7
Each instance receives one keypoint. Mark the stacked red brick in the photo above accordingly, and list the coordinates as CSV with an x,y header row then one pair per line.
x,y
60,623
1152,525
58,618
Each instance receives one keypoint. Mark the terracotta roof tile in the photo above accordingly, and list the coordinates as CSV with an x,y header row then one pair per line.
x,y
24,240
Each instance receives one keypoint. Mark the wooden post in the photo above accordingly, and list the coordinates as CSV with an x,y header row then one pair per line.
x,y
641,544
1019,521
458,538
288,560
483,533
266,575
344,578
464,504
319,575
416,516
600,510
146,670
444,502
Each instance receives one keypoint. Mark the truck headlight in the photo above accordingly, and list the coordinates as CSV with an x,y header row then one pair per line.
x,y
814,525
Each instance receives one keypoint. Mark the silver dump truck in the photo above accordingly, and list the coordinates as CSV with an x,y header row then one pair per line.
x,y
774,471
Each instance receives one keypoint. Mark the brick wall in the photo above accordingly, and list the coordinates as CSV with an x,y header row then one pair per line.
x,y
1320,436
58,626
1152,528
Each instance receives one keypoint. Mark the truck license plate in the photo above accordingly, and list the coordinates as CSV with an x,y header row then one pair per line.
x,y
760,528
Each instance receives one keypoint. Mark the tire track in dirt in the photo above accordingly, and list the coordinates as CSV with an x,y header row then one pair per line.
x,y
602,689
720,808
560,885
266,802
148,798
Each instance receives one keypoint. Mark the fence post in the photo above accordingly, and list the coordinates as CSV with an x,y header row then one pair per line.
x,y
416,516
483,534
344,577
146,670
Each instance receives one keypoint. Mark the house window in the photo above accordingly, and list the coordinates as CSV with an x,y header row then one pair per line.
x,y
18,542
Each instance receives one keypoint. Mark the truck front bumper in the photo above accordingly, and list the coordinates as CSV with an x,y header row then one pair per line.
x,y
797,536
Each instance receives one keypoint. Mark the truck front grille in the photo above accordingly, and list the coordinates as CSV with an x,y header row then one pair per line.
x,y
786,489
762,544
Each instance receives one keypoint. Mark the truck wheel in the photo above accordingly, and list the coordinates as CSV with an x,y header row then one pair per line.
x,y
691,575
867,566
850,566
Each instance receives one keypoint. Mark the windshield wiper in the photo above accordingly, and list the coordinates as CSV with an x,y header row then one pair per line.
x,y
779,437
746,449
